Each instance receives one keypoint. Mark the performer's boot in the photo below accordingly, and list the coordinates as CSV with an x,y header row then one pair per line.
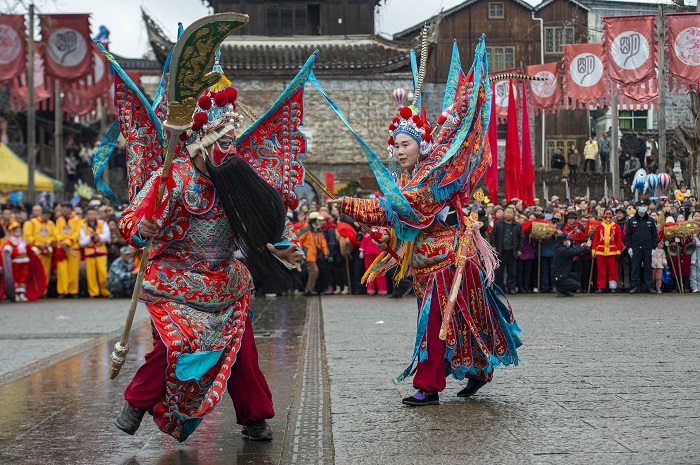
x,y
129,419
258,431
421,398
473,385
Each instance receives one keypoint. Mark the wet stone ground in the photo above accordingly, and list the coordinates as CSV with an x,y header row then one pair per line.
x,y
602,379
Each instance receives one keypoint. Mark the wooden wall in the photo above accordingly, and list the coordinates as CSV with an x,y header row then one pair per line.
x,y
357,15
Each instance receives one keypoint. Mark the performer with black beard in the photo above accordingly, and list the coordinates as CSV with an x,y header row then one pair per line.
x,y
197,293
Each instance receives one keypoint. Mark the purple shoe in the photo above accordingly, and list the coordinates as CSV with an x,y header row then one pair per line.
x,y
422,398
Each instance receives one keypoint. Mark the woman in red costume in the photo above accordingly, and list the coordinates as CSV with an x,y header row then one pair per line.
x,y
464,328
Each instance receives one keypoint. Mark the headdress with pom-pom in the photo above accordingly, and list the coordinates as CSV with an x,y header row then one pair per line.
x,y
215,114
411,124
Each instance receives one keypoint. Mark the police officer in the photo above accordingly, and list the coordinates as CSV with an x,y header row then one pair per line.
x,y
566,281
641,240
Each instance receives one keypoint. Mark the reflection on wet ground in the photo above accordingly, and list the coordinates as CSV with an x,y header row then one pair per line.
x,y
63,414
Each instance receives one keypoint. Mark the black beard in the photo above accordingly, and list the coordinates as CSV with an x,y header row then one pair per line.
x,y
256,213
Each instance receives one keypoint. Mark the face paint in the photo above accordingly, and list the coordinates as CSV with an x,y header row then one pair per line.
x,y
608,216
221,150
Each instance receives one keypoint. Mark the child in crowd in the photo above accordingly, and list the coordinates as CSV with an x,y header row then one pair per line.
x,y
658,263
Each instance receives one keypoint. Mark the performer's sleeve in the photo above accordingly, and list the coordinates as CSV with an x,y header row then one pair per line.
x,y
367,211
106,233
84,238
141,206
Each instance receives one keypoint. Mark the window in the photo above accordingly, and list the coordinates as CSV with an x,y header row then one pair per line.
x,y
496,10
554,37
562,144
501,58
287,20
501,130
634,120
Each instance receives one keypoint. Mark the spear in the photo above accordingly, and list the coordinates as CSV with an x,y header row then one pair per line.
x,y
191,58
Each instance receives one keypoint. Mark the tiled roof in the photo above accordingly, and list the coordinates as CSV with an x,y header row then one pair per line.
x,y
337,55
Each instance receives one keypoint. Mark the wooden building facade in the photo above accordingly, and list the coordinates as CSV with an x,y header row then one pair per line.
x,y
303,17
513,41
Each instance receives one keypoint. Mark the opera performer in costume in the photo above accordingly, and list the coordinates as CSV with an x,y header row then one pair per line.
x,y
16,249
39,232
94,236
463,327
607,245
67,254
196,291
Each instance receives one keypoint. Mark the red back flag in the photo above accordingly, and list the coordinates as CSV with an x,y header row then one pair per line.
x,y
683,44
527,173
43,89
512,164
545,95
630,49
584,80
329,181
492,172
13,46
68,45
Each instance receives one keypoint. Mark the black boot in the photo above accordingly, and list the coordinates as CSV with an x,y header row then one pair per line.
x,y
421,398
258,431
129,419
473,385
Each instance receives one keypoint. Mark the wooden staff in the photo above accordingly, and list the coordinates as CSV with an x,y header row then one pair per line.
x,y
590,275
673,267
454,292
539,267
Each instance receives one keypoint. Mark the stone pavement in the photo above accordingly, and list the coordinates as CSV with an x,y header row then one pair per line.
x,y
602,379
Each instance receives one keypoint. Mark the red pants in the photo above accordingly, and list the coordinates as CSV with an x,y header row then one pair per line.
x,y
607,270
379,281
20,276
430,374
247,386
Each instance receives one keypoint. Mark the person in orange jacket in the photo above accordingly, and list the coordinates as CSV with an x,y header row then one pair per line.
x,y
312,241
607,245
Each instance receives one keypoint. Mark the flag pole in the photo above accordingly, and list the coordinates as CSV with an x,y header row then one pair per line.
x,y
660,31
31,111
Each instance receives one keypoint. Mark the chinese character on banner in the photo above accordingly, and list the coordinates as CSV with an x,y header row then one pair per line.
x,y
683,45
13,46
584,80
68,45
545,95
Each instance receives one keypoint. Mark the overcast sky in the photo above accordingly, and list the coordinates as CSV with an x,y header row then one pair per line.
x,y
128,34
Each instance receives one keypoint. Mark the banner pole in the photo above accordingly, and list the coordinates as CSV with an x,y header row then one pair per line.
x,y
661,34
31,111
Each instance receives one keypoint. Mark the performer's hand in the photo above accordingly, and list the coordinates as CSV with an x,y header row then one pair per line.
x,y
383,241
290,254
65,247
149,229
335,203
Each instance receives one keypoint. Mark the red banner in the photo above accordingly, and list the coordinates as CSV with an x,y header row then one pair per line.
x,y
584,79
13,46
97,83
68,45
683,45
43,89
330,183
512,163
630,49
492,172
527,172
545,95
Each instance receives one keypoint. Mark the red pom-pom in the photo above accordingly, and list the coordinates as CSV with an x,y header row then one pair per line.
x,y
200,118
196,127
390,141
393,127
426,137
204,102
442,119
184,136
220,98
231,94
418,122
395,120
405,112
